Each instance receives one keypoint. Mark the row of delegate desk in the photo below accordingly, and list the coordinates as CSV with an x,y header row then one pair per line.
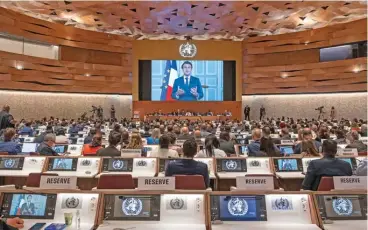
x,y
185,209
289,171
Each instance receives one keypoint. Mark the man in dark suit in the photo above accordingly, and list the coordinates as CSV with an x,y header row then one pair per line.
x,y
45,148
111,150
246,113
262,113
225,144
188,166
184,134
187,87
28,208
327,166
355,143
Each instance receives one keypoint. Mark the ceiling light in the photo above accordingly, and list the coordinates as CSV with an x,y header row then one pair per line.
x,y
19,67
306,43
356,69
87,75
284,75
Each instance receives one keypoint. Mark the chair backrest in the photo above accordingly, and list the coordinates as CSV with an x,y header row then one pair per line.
x,y
362,154
116,182
33,179
326,184
34,154
3,153
189,182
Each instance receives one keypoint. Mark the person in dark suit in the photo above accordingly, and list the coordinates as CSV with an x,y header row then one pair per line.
x,y
225,144
355,143
187,87
247,113
262,113
184,134
45,148
28,208
6,119
188,166
327,166
111,150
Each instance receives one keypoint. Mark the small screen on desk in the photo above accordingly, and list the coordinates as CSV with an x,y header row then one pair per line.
x,y
343,207
286,150
243,150
287,165
120,165
63,164
350,161
11,163
29,147
238,208
233,165
29,206
164,163
60,148
131,207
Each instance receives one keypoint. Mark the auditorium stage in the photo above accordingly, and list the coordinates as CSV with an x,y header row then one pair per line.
x,y
191,118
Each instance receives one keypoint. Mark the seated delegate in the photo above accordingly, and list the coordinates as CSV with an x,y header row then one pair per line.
x,y
163,151
187,165
9,145
212,145
111,150
327,166
91,149
45,148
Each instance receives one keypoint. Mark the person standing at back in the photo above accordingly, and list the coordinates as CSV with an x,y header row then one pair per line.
x,y
188,166
328,166
247,113
6,119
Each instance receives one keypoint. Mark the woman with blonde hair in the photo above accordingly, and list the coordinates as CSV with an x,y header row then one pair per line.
x,y
135,141
154,138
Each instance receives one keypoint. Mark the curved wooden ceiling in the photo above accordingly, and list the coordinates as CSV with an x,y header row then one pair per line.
x,y
201,20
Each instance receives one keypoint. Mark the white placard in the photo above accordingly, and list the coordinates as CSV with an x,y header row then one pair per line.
x,y
156,183
255,182
349,152
350,182
131,152
180,142
58,182
287,142
274,136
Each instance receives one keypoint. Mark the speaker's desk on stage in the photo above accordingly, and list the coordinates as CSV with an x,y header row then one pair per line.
x,y
191,118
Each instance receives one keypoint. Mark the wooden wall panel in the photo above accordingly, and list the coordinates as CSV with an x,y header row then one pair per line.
x,y
68,53
39,74
216,107
58,34
289,63
90,62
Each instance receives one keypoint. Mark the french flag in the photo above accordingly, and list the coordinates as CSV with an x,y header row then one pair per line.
x,y
171,73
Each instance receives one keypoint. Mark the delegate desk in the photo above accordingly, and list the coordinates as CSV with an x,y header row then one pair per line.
x,y
191,118
137,167
50,208
84,168
341,210
274,210
153,210
15,169
228,169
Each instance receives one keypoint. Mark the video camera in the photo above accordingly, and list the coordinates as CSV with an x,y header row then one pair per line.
x,y
319,108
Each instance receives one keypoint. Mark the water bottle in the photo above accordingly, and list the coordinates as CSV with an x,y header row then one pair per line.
x,y
78,219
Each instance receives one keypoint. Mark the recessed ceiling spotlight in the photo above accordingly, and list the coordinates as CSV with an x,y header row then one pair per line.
x,y
87,75
284,75
356,69
306,42
19,67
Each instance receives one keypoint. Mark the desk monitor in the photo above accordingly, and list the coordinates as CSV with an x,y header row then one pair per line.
x,y
60,148
286,150
238,208
343,207
132,207
351,161
63,164
243,150
164,162
117,165
29,147
241,141
11,163
231,165
288,165
29,206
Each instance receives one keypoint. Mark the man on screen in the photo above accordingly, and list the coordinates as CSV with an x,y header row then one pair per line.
x,y
28,208
187,87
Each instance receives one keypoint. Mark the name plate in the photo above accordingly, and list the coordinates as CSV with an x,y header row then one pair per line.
x,y
287,142
274,135
156,183
350,182
180,142
349,152
58,182
131,151
255,182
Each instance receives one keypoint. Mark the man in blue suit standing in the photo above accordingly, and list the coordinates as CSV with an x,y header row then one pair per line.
x,y
187,87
